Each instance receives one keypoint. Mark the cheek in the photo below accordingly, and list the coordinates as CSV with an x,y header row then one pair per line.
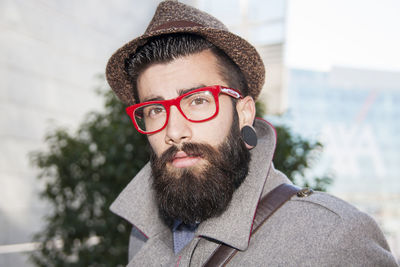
x,y
157,143
213,132
216,130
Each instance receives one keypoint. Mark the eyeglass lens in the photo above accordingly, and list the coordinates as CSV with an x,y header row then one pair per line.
x,y
196,106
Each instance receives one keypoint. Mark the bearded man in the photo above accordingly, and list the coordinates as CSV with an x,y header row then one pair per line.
x,y
191,85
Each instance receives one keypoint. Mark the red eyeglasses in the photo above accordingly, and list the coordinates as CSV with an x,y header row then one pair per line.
x,y
196,106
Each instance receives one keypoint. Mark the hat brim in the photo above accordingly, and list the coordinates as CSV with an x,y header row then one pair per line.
x,y
238,49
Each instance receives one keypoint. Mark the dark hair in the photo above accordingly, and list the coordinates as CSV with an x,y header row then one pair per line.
x,y
166,48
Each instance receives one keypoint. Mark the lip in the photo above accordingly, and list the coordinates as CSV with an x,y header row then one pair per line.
x,y
182,160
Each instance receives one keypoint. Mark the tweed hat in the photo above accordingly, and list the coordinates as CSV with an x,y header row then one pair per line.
x,y
175,17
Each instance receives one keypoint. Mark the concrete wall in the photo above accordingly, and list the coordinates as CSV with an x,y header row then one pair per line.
x,y
50,53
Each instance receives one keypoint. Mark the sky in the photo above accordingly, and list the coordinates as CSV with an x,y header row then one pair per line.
x,y
349,33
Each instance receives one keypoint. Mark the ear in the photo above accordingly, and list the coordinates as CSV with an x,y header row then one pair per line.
x,y
246,109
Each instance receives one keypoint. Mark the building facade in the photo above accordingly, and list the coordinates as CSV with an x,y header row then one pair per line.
x,y
355,114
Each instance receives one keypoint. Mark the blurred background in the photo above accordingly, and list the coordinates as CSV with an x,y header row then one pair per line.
x,y
333,75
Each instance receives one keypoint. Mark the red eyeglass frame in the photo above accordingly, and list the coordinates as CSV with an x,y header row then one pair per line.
x,y
215,90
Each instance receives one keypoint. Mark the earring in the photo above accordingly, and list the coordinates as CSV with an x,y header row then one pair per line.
x,y
249,136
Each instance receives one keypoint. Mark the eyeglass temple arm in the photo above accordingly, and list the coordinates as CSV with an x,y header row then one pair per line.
x,y
231,92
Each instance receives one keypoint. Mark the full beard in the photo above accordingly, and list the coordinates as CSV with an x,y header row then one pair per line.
x,y
197,193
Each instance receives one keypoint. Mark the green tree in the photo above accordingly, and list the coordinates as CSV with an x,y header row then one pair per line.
x,y
85,171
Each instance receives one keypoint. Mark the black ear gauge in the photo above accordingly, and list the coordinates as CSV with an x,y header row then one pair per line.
x,y
249,136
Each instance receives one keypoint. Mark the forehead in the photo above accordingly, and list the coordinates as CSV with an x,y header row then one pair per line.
x,y
166,80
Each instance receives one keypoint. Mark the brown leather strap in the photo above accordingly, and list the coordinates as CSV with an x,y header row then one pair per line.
x,y
266,207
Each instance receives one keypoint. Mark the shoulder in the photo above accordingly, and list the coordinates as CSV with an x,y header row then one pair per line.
x,y
329,230
330,205
319,216
347,222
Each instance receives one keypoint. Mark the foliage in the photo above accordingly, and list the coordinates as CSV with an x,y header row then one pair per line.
x,y
295,155
84,172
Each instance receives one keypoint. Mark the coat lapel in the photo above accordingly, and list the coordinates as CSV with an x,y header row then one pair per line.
x,y
136,204
155,252
238,217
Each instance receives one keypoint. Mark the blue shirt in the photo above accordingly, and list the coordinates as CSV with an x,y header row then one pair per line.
x,y
182,234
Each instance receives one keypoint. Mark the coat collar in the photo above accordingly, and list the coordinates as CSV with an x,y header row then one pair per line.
x,y
136,203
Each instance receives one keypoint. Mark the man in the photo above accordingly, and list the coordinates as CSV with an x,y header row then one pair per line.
x,y
191,85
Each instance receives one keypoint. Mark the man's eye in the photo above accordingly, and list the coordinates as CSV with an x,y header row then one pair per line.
x,y
199,101
154,111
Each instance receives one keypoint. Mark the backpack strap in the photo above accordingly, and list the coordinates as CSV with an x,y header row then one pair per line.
x,y
266,207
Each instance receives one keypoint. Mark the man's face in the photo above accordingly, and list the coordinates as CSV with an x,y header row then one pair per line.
x,y
196,167
166,81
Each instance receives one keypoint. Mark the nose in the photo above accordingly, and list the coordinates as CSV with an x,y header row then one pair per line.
x,y
177,130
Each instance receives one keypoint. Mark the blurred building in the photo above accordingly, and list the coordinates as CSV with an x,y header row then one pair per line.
x,y
356,115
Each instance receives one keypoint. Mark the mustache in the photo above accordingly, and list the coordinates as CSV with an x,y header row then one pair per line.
x,y
191,149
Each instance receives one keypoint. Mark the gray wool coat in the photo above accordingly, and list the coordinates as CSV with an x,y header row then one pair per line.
x,y
318,230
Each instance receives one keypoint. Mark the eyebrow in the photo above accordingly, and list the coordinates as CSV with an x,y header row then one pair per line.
x,y
180,92
184,91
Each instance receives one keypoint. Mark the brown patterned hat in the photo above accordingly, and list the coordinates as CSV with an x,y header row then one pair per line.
x,y
174,17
